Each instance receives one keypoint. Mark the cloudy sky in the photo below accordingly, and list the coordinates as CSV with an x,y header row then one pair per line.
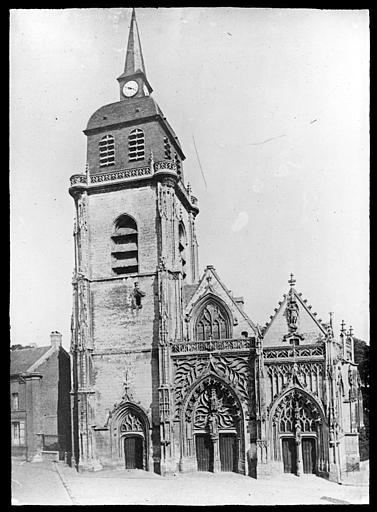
x,y
277,101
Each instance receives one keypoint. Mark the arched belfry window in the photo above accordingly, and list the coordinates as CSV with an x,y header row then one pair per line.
x,y
106,151
136,145
212,323
182,249
125,259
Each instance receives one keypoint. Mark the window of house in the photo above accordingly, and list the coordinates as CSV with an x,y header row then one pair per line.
x,y
18,433
106,151
125,258
167,149
15,404
211,323
182,249
136,145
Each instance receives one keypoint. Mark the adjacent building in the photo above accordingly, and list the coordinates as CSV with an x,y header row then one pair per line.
x,y
40,400
169,373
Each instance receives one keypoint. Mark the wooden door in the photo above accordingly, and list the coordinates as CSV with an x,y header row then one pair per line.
x,y
308,455
133,452
289,455
204,452
228,452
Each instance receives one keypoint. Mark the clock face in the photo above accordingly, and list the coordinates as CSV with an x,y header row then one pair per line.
x,y
130,88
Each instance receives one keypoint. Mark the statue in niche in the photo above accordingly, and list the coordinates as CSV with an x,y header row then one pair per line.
x,y
291,314
213,426
137,295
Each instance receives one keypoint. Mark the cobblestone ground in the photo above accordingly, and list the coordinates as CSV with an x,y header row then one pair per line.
x,y
48,483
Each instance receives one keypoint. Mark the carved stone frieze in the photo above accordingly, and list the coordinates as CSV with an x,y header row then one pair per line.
x,y
303,351
120,175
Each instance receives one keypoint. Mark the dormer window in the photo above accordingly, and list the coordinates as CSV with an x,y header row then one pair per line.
x,y
136,145
106,151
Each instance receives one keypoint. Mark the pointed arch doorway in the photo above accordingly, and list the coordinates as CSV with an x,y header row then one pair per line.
x,y
131,434
215,428
297,433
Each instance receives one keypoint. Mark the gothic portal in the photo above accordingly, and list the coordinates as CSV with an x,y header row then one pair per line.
x,y
169,372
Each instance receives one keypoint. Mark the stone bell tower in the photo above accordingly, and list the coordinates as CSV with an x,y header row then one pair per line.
x,y
135,247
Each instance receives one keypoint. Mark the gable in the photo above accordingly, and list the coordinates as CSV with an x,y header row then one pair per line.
x,y
211,288
308,326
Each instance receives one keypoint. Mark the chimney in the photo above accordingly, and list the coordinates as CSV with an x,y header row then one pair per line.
x,y
56,339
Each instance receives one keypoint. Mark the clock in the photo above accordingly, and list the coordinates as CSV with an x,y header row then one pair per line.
x,y
130,88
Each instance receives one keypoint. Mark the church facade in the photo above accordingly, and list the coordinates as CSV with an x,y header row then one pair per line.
x,y
169,373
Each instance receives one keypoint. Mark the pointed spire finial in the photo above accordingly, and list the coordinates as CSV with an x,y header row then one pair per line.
x,y
343,326
331,315
350,330
134,56
292,281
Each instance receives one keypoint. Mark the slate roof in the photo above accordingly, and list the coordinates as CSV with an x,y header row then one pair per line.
x,y
125,111
22,359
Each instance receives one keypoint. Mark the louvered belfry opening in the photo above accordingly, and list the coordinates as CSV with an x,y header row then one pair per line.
x,y
136,145
125,246
107,151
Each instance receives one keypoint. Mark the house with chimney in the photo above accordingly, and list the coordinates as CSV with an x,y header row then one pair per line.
x,y
40,400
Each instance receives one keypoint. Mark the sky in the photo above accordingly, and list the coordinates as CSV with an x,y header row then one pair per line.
x,y
277,103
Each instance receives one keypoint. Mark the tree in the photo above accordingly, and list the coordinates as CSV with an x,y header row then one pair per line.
x,y
361,353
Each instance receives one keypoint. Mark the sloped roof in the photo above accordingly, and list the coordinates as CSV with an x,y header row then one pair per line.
x,y
23,359
129,111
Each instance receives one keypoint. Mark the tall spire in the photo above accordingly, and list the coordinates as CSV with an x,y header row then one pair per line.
x,y
134,56
133,81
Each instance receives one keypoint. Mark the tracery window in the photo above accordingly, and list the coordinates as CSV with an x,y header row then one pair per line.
x,y
136,145
211,323
125,258
106,151
296,410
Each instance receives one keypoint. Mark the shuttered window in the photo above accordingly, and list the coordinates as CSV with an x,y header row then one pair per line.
x,y
136,145
107,151
125,259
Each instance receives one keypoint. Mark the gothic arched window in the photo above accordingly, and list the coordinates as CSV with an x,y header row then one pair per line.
x,y
125,259
106,151
211,323
136,145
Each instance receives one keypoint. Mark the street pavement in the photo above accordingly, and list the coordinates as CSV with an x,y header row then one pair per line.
x,y
51,483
